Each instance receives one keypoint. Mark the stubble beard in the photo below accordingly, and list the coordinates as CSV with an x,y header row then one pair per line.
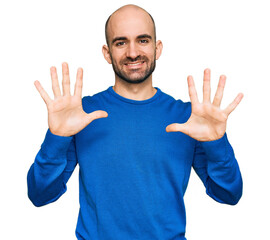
x,y
145,75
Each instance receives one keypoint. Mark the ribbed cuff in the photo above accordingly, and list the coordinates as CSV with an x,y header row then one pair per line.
x,y
217,150
55,146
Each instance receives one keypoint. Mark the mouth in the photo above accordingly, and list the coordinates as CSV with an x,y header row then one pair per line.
x,y
135,65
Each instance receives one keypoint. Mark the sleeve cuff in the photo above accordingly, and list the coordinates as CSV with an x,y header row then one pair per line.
x,y
217,150
54,145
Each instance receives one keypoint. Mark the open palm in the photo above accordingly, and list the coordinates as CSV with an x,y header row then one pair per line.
x,y
66,116
207,121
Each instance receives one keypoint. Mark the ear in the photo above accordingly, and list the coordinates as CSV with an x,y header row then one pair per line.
x,y
106,54
159,47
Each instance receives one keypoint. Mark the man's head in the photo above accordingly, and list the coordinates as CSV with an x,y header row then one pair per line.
x,y
124,7
131,44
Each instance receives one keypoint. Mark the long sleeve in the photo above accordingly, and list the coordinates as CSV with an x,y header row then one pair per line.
x,y
53,166
215,164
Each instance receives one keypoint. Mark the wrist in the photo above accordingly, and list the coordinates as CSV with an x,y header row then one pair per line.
x,y
218,149
58,132
55,145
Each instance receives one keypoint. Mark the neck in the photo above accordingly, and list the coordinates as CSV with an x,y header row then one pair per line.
x,y
140,91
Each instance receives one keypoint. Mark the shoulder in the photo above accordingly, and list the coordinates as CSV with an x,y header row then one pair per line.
x,y
176,103
177,106
94,97
94,102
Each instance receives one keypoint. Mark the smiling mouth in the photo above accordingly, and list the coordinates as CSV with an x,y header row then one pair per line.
x,y
136,64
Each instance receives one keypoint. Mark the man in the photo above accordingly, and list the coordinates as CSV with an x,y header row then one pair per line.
x,y
135,158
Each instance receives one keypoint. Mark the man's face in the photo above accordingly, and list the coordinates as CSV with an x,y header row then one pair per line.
x,y
132,46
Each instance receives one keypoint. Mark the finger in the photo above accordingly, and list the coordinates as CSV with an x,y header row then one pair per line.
x,y
220,90
206,86
66,79
42,92
95,115
192,91
176,127
55,83
79,83
234,104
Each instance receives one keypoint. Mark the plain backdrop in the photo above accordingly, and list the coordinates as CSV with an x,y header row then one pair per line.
x,y
230,37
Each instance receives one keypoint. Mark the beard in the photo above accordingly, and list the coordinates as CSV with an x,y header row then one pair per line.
x,y
141,77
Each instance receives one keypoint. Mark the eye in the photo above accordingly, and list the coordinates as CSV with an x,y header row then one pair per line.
x,y
118,44
144,41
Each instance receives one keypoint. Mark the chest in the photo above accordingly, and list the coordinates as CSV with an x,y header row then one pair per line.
x,y
134,142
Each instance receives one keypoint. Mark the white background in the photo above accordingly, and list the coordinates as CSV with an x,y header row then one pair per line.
x,y
230,37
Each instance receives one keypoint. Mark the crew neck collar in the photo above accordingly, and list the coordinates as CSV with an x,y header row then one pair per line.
x,y
112,92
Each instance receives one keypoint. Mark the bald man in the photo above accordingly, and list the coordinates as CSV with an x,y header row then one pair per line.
x,y
135,145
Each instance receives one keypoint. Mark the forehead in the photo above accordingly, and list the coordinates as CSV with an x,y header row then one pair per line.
x,y
130,23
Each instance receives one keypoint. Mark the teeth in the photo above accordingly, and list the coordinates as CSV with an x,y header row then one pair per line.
x,y
134,64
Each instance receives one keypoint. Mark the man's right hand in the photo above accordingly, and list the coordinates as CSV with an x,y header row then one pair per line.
x,y
66,116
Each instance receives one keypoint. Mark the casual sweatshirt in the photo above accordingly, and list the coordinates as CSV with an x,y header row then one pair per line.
x,y
132,173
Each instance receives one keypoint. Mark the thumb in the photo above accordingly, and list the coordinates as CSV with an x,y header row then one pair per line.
x,y
96,115
176,127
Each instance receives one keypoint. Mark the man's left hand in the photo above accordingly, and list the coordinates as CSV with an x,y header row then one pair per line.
x,y
207,121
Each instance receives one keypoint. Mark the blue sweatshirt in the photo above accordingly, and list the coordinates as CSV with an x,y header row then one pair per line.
x,y
133,174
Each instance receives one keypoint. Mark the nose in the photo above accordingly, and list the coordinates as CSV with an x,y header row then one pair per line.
x,y
132,50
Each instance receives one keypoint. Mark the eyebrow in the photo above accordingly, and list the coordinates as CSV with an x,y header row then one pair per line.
x,y
125,38
144,36
118,39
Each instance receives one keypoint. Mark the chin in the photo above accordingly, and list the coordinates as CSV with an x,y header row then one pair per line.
x,y
133,81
